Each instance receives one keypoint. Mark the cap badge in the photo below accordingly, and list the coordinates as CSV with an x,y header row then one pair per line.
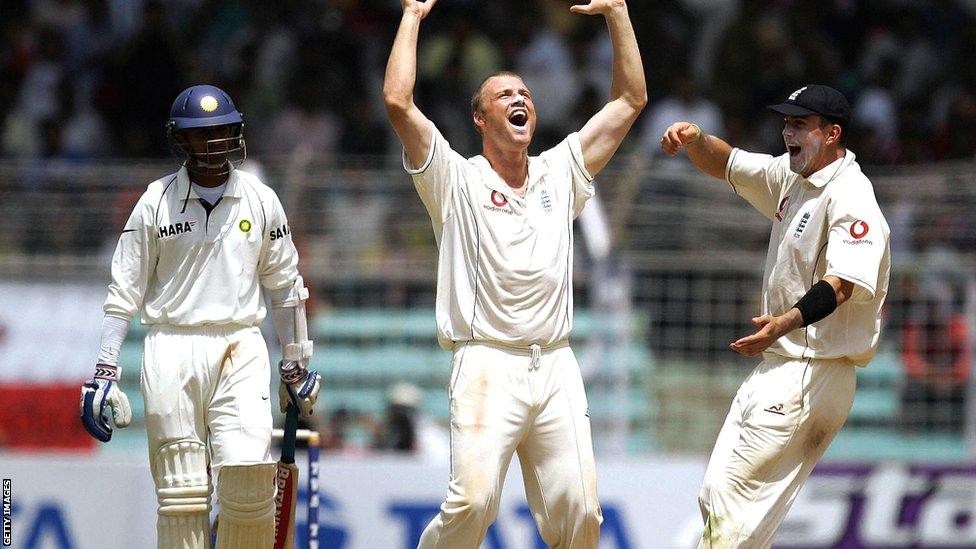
x,y
208,103
796,94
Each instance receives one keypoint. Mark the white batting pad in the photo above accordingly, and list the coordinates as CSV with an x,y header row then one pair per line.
x,y
246,498
183,493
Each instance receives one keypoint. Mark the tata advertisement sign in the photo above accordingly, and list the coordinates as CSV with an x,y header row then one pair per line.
x,y
99,502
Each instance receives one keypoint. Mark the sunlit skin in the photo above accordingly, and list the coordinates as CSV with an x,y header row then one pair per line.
x,y
812,147
506,121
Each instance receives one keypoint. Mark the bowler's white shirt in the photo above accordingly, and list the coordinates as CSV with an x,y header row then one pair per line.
x,y
827,224
505,263
175,264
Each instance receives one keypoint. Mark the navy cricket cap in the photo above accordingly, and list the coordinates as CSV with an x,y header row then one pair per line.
x,y
816,99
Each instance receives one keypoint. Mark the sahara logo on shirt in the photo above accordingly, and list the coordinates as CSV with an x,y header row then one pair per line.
x,y
174,229
279,232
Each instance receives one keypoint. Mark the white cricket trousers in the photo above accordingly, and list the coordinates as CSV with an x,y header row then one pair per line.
x,y
782,419
211,385
526,400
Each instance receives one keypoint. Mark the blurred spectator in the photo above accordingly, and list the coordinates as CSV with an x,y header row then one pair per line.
x,y
406,429
684,103
356,224
714,17
84,133
144,79
60,15
547,66
936,354
960,128
38,101
476,55
335,432
875,119
363,133
306,125
935,348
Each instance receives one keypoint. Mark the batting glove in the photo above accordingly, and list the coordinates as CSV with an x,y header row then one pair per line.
x,y
97,395
299,387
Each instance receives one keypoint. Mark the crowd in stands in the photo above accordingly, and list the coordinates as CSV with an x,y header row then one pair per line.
x,y
93,78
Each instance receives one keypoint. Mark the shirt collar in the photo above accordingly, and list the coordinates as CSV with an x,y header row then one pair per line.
x,y
826,174
233,188
495,182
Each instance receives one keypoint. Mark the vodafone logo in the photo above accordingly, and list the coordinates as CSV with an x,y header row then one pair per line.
x,y
859,229
499,199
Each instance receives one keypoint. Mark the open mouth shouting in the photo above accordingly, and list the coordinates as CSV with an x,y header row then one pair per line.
x,y
794,150
518,117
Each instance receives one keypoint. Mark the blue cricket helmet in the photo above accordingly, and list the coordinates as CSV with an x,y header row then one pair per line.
x,y
202,106
205,106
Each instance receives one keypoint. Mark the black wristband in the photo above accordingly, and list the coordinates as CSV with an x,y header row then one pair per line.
x,y
818,303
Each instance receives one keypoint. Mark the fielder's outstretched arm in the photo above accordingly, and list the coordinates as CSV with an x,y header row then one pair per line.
x,y
413,128
707,152
818,303
602,135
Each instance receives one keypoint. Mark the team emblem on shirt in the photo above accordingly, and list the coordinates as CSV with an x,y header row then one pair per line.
x,y
801,225
244,226
174,229
782,207
796,94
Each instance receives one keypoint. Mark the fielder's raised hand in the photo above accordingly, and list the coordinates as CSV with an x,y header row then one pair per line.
x,y
417,7
679,134
598,7
98,395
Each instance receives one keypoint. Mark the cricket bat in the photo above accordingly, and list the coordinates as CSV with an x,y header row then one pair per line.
x,y
286,481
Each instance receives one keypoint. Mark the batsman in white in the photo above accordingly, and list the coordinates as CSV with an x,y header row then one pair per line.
x,y
191,262
825,281
503,222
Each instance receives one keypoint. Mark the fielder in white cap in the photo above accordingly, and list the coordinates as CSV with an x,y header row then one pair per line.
x,y
825,281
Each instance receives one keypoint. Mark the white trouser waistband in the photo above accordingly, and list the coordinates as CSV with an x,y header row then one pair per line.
x,y
533,350
207,329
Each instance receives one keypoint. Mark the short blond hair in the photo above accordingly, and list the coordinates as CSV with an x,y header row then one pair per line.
x,y
476,99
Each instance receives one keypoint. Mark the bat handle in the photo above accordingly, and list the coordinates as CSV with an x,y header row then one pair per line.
x,y
288,439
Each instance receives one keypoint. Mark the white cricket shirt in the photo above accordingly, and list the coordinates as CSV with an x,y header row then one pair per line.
x,y
827,224
176,264
505,263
